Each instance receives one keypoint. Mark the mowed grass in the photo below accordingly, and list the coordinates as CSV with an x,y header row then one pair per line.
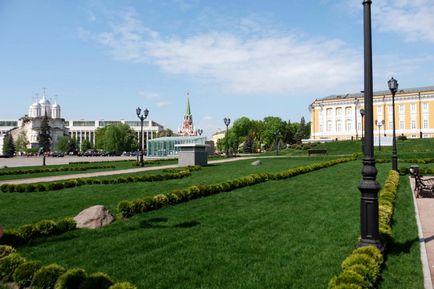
x,y
292,233
22,208
117,165
403,267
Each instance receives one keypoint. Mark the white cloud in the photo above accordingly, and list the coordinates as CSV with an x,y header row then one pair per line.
x,y
271,63
149,94
163,103
411,18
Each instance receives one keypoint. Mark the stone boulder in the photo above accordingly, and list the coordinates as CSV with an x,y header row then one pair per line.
x,y
256,163
94,217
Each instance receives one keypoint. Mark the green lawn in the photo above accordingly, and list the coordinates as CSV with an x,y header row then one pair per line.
x,y
403,267
292,233
118,165
280,234
22,208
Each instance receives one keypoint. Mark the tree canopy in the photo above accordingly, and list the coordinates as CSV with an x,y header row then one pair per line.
x,y
8,145
116,138
44,137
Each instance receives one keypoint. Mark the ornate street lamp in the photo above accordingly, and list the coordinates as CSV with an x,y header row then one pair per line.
x,y
362,114
200,132
142,117
393,87
379,124
369,187
227,122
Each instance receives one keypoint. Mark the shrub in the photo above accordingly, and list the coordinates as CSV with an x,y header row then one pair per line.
x,y
123,285
24,273
71,279
362,259
98,280
27,232
11,237
65,225
8,265
45,227
46,277
6,250
349,277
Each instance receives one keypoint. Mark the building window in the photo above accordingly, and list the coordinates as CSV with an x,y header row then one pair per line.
x,y
413,124
379,109
413,107
402,108
329,112
329,125
348,111
348,125
338,126
401,124
390,107
425,107
425,123
339,111
390,125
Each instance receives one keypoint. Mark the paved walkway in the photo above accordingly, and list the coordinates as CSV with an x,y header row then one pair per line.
x,y
425,221
109,173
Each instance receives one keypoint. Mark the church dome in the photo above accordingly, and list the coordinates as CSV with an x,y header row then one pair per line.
x,y
44,101
55,106
35,105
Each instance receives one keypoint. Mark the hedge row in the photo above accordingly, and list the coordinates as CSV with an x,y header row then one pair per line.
x,y
130,208
14,268
362,268
50,170
422,171
59,185
416,161
29,232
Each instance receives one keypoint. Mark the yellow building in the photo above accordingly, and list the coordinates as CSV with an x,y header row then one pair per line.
x,y
339,117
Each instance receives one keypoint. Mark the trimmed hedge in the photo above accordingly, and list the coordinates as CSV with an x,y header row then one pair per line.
x,y
24,273
59,185
50,170
130,208
362,268
29,232
8,265
46,276
6,250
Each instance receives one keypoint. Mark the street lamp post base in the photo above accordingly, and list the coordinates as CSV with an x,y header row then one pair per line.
x,y
369,242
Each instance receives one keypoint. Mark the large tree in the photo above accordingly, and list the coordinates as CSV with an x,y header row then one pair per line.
x,y
21,142
116,138
8,145
62,144
86,145
289,133
165,132
274,130
44,137
302,131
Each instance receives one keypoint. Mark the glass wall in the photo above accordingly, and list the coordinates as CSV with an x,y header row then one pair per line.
x,y
165,146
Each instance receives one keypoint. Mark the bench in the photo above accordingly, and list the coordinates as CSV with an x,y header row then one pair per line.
x,y
317,152
423,186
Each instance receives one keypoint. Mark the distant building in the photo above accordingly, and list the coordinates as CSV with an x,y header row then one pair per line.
x,y
78,129
338,116
187,128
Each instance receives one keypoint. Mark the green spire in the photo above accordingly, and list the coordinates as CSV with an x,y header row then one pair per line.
x,y
187,109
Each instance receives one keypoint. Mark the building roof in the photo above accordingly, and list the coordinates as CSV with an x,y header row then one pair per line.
x,y
177,138
377,93
187,109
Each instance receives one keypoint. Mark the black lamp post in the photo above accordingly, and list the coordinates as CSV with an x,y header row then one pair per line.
x,y
362,114
142,117
369,186
200,132
227,122
379,124
393,87
277,143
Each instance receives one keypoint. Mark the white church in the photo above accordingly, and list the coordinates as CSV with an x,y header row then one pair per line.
x,y
79,129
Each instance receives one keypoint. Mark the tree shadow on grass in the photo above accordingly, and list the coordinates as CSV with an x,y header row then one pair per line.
x,y
155,223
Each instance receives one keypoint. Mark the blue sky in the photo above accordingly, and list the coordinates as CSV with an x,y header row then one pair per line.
x,y
102,59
